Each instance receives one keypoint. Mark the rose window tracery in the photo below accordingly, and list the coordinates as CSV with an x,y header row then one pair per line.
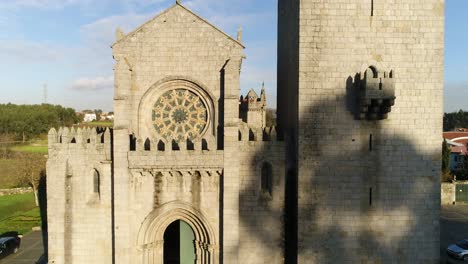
x,y
180,114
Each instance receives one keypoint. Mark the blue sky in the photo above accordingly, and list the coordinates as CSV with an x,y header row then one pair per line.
x,y
66,45
456,55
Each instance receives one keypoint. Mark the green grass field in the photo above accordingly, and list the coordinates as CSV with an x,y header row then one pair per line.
x,y
99,124
18,213
43,149
9,173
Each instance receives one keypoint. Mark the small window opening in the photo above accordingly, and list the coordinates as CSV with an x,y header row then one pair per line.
x,y
147,145
161,146
132,143
97,182
204,144
251,135
372,7
175,145
73,141
267,178
266,135
375,72
370,196
190,145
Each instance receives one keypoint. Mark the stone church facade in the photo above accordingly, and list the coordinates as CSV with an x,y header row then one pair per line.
x,y
349,176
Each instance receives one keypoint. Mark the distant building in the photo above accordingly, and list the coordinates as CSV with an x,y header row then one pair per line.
x,y
108,116
89,117
458,142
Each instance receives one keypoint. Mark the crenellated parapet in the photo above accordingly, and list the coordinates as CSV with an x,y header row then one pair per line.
x,y
376,94
207,143
253,134
163,153
99,139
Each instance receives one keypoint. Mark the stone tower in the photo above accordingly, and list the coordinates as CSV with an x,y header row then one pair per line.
x,y
253,108
360,100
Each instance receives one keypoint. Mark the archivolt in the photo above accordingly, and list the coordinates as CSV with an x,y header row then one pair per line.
x,y
151,234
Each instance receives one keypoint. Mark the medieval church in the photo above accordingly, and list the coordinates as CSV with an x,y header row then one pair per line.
x,y
191,173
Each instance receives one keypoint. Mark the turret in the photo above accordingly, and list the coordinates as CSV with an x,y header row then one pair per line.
x,y
253,108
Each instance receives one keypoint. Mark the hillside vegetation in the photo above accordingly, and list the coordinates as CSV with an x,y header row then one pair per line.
x,y
29,121
455,120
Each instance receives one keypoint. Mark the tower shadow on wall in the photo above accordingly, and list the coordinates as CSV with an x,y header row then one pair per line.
x,y
350,193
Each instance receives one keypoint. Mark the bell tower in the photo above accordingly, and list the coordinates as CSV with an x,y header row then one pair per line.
x,y
360,88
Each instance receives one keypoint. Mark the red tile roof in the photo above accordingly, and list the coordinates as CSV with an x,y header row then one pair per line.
x,y
452,135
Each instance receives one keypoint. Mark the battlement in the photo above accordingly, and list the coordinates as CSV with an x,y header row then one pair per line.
x,y
162,153
265,134
377,94
80,136
207,143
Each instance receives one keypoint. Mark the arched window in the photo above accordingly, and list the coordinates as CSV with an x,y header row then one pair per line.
x,y
267,178
96,182
147,145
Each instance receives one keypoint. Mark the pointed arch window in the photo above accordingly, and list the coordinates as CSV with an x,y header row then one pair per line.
x,y
96,182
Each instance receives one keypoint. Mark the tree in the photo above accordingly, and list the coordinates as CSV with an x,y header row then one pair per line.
x,y
31,171
455,120
98,113
446,176
5,141
26,121
445,157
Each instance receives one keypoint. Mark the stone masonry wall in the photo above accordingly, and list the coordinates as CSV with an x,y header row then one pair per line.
x,y
261,220
447,195
183,176
369,191
4,192
79,219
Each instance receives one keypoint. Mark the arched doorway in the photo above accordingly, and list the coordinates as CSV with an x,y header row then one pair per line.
x,y
179,244
157,226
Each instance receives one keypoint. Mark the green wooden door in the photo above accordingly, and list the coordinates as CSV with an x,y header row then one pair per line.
x,y
461,193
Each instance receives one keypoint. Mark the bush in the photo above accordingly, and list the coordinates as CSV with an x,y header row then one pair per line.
x,y
447,177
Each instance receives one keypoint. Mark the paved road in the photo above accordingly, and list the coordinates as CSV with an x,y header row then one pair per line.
x,y
30,251
453,227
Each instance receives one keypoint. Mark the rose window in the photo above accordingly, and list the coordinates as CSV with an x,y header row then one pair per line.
x,y
180,114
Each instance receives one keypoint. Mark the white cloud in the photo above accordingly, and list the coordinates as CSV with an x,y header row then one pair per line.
x,y
21,51
91,56
98,36
93,84
102,31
